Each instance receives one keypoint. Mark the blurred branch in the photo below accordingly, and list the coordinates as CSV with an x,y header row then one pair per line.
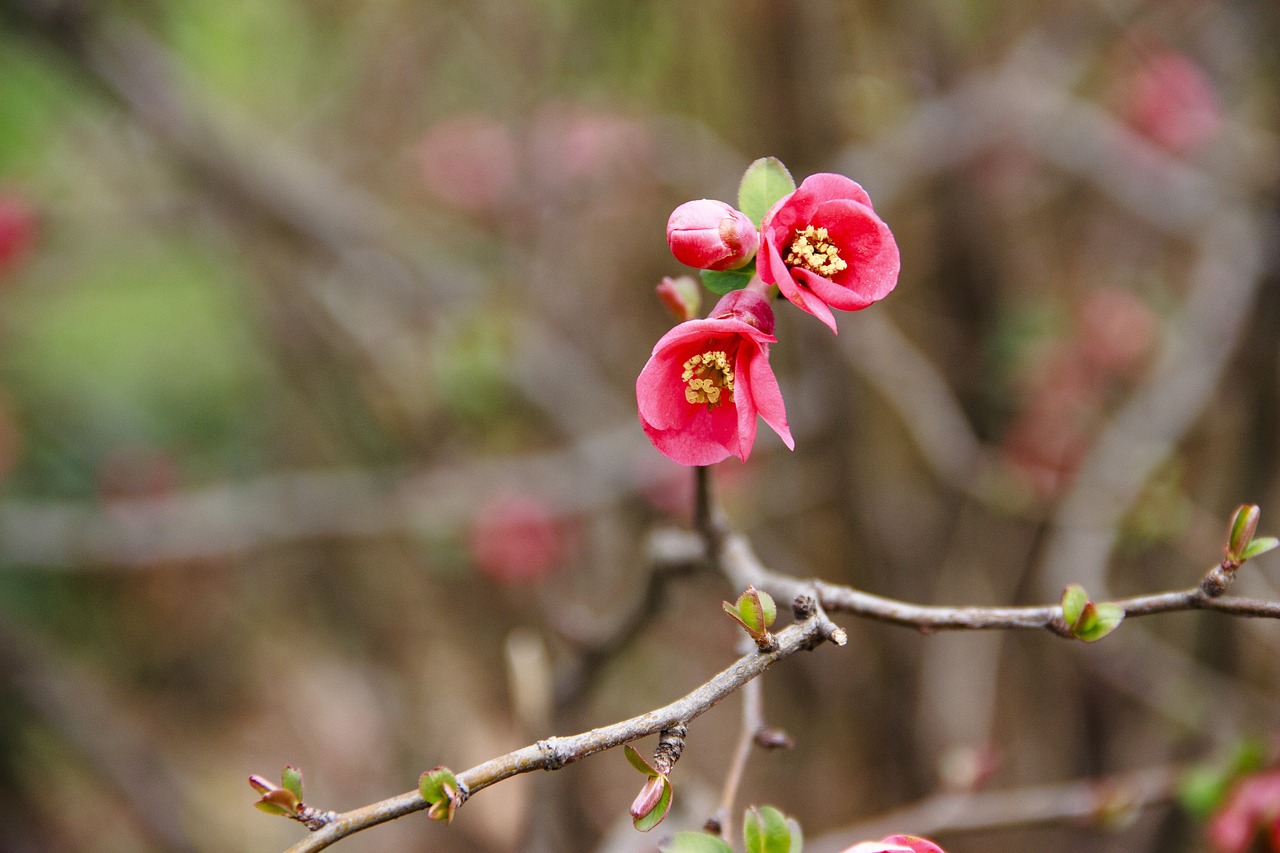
x,y
114,742
1094,801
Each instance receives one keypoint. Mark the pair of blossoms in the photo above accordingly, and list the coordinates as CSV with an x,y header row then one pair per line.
x,y
821,245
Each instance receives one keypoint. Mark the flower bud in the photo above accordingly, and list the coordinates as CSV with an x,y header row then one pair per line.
x,y
747,306
711,235
682,297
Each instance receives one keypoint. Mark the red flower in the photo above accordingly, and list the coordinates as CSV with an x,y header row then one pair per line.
x,y
825,248
1253,806
708,379
896,844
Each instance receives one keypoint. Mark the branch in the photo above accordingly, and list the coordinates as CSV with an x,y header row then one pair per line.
x,y
555,752
744,567
1081,799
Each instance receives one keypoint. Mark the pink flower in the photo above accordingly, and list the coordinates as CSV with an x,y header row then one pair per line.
x,y
710,235
825,248
1253,806
516,539
18,227
1172,102
469,161
896,844
708,379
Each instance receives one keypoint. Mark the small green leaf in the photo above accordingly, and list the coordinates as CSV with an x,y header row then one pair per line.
x,y
765,830
797,837
721,282
1104,621
637,761
1258,547
695,842
1203,788
1244,523
291,778
751,610
769,609
437,785
272,808
654,816
1074,598
765,181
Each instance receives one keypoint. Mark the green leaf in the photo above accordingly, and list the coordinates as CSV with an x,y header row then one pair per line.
x,y
432,785
1105,620
727,281
646,822
291,778
695,842
751,610
1074,598
765,830
765,181
1203,788
1258,547
769,609
637,761
272,808
797,837
1243,525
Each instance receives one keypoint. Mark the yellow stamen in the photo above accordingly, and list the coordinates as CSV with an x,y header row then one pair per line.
x,y
814,251
708,378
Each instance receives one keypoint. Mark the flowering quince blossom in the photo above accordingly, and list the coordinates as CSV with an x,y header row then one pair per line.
x,y
824,247
706,381
710,235
1253,806
896,844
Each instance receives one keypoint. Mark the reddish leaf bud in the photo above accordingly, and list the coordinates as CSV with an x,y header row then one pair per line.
x,y
711,235
682,296
1244,523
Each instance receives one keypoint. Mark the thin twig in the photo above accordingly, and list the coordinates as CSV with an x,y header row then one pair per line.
x,y
555,752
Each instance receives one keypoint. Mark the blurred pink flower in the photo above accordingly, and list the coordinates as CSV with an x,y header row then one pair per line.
x,y
1118,332
469,161
515,538
706,381
710,235
1171,101
826,248
896,844
1252,807
18,227
572,144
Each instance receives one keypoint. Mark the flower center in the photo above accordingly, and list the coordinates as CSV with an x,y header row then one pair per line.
x,y
708,377
813,250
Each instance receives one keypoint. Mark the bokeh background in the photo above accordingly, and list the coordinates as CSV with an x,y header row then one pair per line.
x,y
319,324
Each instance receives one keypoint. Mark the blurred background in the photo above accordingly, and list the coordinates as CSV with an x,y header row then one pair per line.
x,y
319,328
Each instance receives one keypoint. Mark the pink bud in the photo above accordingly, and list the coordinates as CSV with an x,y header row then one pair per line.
x,y
648,798
711,235
18,227
745,305
682,296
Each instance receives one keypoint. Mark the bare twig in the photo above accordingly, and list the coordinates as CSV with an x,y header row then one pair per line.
x,y
555,752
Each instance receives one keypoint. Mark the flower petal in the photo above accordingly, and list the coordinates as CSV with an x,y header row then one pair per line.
x,y
767,397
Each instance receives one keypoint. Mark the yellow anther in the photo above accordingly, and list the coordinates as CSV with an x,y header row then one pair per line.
x,y
708,377
813,250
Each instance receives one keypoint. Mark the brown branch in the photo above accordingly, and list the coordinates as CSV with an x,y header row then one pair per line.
x,y
555,752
